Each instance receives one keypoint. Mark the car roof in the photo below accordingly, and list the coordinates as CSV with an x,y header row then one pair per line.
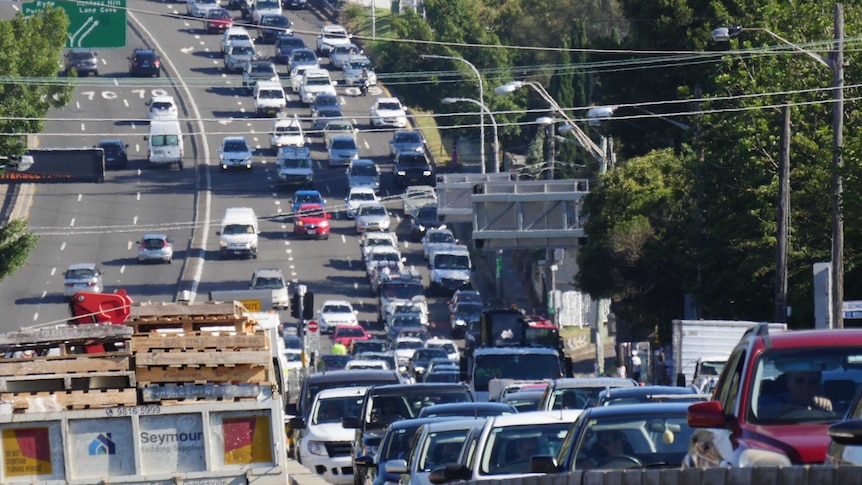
x,y
535,417
355,375
234,138
576,382
335,302
306,192
268,272
366,190
358,161
647,391
812,338
388,100
357,391
415,422
154,236
82,266
334,28
162,98
652,409
112,141
236,29
396,389
472,405
456,422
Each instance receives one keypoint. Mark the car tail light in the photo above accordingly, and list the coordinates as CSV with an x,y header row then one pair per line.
x,y
164,244
69,285
157,63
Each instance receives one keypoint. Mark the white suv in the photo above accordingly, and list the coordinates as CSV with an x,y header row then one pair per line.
x,y
235,153
388,112
314,82
162,108
331,36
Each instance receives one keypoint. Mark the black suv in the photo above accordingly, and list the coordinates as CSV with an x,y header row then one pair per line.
x,y
272,26
115,153
145,62
413,169
85,61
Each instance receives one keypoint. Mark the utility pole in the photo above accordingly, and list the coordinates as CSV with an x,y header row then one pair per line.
x,y
300,290
783,219
837,64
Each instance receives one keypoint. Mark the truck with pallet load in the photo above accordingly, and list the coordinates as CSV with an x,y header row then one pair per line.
x,y
155,393
506,349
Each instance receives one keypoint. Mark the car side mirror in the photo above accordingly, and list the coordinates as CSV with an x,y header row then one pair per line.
x,y
218,233
328,215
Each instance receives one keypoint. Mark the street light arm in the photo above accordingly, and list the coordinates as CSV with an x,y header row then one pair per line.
x,y
493,124
726,33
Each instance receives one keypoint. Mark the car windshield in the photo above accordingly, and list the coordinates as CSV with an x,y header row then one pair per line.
x,y
235,229
303,55
296,163
385,257
396,445
404,291
336,308
317,81
306,198
427,213
331,410
364,170
243,36
369,346
428,353
154,243
343,144
262,69
313,212
389,106
242,51
372,210
80,56
363,196
349,332
294,42
293,356
358,65
451,261
448,347
161,105
325,101
267,4
408,137
80,273
287,130
514,366
413,161
218,14
382,410
804,385
275,21
406,321
235,146
337,34
500,454
273,282
270,94
441,237
328,113
407,344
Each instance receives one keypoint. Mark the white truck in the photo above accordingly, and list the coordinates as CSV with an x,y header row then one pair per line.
x,y
295,166
450,268
178,393
699,345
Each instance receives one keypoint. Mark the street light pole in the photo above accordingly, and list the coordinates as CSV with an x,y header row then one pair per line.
x,y
579,134
493,125
481,99
835,64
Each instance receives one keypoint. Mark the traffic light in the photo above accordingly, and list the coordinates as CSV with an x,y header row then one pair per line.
x,y
307,306
294,305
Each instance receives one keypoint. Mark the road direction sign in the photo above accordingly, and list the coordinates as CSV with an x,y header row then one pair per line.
x,y
92,23
852,309
313,326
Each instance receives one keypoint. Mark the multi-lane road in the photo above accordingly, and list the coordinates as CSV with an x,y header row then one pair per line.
x,y
102,222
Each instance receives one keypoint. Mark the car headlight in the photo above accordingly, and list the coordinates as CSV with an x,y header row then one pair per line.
x,y
426,173
300,223
401,173
324,224
317,448
361,224
222,244
460,323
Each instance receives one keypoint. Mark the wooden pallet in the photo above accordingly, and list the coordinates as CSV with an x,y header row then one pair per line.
x,y
65,341
68,382
176,393
241,373
110,362
188,324
151,342
206,358
61,401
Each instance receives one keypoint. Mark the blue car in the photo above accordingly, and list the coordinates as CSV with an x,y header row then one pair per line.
x,y
307,197
394,445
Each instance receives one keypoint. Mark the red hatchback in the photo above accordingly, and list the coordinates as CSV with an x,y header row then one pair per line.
x,y
347,334
217,21
312,220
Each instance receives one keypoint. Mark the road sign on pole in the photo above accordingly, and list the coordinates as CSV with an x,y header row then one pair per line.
x,y
92,23
313,326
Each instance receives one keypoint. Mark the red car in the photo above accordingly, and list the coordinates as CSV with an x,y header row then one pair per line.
x,y
312,220
347,334
775,399
217,21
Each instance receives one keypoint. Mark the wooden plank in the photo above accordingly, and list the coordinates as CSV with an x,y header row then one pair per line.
x,y
152,310
238,374
58,401
193,325
201,340
61,382
203,358
41,365
66,333
155,393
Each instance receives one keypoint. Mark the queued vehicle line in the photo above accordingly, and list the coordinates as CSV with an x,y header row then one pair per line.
x,y
196,262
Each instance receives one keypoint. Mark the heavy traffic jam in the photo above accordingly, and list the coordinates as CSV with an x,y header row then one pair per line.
x,y
364,346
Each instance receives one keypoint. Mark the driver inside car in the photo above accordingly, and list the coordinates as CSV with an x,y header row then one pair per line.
x,y
801,393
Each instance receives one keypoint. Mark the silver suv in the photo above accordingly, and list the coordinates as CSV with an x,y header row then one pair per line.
x,y
82,277
85,61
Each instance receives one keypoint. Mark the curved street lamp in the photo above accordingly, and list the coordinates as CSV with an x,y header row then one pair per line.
x,y
493,124
481,98
835,63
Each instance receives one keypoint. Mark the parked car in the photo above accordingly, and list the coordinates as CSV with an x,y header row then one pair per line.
x,y
115,153
145,62
621,437
81,60
155,247
82,277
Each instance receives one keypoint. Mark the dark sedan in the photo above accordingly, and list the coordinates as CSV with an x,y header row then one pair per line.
x,y
115,153
285,45
424,218
272,26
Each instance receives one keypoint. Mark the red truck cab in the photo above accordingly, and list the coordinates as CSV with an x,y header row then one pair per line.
x,y
775,399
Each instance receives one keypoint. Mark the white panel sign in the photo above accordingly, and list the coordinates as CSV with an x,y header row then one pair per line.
x,y
172,443
101,448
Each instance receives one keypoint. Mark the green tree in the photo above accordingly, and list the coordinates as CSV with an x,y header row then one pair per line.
x,y
16,243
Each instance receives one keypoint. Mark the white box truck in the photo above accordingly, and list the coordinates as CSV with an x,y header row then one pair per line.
x,y
238,233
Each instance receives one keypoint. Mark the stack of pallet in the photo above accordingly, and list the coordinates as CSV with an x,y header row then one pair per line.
x,y
198,352
67,367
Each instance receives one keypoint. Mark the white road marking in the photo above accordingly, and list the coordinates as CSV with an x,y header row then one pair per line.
x,y
122,269
72,222
80,196
36,315
54,269
186,50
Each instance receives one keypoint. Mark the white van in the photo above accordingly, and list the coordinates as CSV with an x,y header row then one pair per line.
x,y
238,234
269,98
165,143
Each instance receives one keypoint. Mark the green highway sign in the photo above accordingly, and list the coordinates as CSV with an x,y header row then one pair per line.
x,y
93,23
